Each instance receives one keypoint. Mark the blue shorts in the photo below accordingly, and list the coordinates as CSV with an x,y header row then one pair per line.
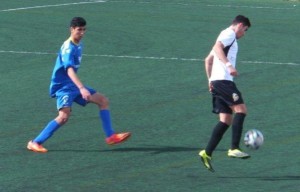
x,y
66,97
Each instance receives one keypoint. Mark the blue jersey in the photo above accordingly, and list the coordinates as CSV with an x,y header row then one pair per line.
x,y
69,56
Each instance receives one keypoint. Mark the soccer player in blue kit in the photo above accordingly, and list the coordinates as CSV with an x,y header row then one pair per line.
x,y
68,88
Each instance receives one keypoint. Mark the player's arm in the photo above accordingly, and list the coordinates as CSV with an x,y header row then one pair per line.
x,y
73,76
208,62
219,51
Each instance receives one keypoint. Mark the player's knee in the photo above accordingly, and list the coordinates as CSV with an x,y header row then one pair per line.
x,y
104,103
243,110
100,100
63,117
225,118
240,109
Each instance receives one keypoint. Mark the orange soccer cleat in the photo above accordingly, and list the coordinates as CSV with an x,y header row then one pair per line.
x,y
117,138
33,146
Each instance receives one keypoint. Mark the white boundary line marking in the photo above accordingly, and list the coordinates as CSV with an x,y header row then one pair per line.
x,y
209,5
143,2
251,7
56,5
269,62
145,57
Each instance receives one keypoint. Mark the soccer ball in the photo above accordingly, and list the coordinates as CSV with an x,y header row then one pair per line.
x,y
253,139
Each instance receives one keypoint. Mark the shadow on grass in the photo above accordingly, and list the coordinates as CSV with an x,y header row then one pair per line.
x,y
147,149
268,178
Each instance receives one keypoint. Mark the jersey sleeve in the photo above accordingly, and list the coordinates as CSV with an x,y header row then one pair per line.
x,y
226,37
67,56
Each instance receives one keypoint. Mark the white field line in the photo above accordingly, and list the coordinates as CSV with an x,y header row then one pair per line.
x,y
144,2
271,63
56,5
252,7
226,6
145,57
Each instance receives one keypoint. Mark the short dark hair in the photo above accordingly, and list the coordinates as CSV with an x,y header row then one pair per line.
x,y
241,19
78,22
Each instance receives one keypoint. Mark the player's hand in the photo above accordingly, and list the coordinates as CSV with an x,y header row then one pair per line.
x,y
210,86
232,71
85,93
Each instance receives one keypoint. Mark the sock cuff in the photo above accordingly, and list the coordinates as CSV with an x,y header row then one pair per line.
x,y
104,111
241,114
223,124
54,123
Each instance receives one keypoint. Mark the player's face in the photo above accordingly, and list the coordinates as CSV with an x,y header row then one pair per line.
x,y
77,33
241,30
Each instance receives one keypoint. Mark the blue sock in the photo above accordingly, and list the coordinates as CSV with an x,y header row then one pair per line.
x,y
106,122
47,132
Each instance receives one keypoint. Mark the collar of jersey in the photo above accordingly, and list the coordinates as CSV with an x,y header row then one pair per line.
x,y
70,39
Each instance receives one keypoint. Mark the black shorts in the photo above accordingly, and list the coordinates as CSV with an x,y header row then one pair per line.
x,y
225,94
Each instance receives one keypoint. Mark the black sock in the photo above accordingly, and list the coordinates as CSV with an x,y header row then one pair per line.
x,y
216,137
237,129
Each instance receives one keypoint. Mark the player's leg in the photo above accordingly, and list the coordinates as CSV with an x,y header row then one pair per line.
x,y
50,128
237,129
218,132
216,136
104,114
103,104
64,102
237,124
225,118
